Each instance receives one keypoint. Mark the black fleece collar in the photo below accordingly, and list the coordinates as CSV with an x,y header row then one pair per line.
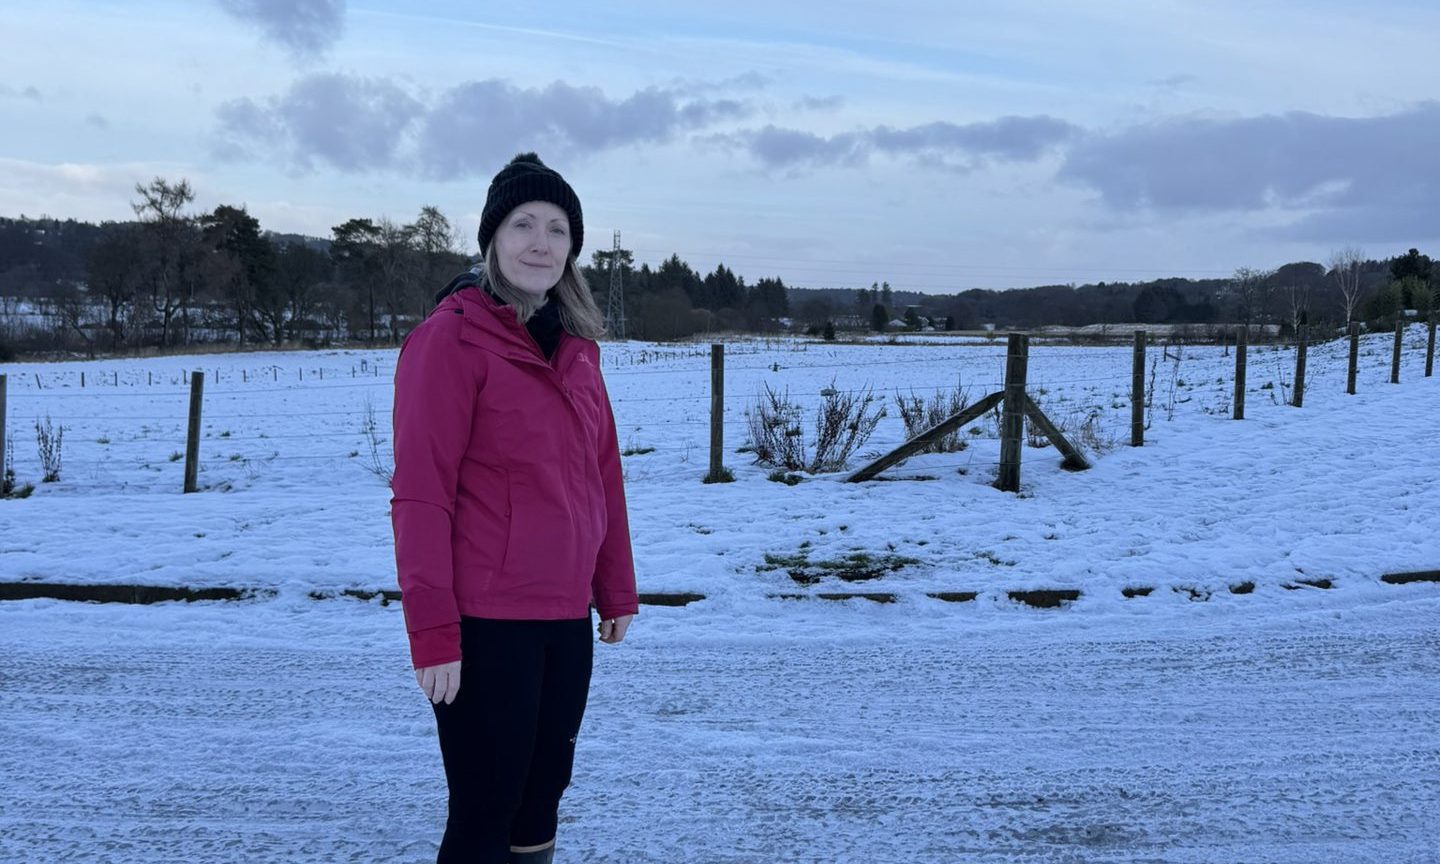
x,y
545,326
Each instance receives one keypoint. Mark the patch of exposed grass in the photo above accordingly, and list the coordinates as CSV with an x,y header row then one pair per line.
x,y
855,566
724,475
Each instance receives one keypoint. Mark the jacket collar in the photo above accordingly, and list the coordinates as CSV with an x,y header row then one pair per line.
x,y
494,327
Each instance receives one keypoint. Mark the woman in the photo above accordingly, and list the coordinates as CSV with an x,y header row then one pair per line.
x,y
509,517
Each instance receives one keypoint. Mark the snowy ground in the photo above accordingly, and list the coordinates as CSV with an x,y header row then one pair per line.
x,y
1220,732
1275,726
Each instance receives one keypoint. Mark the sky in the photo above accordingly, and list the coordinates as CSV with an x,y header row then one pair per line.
x,y
936,145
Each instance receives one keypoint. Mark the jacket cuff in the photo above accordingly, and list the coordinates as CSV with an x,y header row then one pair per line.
x,y
435,645
610,608
428,607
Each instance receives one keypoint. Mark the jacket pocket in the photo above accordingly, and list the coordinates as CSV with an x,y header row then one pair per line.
x,y
482,526
540,545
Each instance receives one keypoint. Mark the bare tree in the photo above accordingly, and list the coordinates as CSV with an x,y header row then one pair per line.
x,y
75,313
438,245
1297,283
1345,268
433,232
1297,296
170,238
1252,289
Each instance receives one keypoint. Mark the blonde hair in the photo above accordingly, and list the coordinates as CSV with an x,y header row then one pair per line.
x,y
578,312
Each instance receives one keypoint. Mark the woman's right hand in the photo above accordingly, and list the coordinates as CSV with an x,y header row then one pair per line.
x,y
440,682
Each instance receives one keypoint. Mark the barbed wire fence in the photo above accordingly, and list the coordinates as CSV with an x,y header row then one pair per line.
x,y
147,439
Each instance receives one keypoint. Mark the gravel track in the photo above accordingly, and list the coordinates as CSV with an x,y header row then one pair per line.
x,y
264,732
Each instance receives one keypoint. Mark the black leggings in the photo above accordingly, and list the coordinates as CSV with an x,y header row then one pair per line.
x,y
508,739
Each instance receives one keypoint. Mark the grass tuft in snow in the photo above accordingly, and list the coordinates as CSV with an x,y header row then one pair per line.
x,y
856,566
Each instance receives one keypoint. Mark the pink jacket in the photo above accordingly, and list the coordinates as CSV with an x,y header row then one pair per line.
x,y
508,500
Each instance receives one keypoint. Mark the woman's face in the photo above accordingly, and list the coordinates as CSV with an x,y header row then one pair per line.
x,y
531,246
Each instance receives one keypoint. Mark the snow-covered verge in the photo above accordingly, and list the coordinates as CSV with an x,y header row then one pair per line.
x,y
1332,491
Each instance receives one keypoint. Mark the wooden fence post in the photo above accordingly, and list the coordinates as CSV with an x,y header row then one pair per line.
x,y
1354,357
192,440
1242,341
717,414
1012,422
1137,392
2,427
1430,348
82,378
1395,358
1300,366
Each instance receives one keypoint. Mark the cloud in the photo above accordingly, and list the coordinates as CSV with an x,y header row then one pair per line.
x,y
305,28
79,190
789,148
354,124
1411,221
946,145
96,120
1011,139
819,103
1178,81
360,124
1341,177
477,124
30,92
745,81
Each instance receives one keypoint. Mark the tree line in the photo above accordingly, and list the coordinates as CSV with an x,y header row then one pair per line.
x,y
173,277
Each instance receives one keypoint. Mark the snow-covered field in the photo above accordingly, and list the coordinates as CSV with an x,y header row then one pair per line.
x,y
1288,724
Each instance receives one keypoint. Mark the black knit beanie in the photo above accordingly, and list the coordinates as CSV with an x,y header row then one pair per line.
x,y
526,178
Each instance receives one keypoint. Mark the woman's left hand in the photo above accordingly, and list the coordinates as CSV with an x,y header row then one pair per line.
x,y
612,630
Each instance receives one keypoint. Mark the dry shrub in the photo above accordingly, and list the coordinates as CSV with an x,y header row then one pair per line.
x,y
382,459
920,414
51,442
844,420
